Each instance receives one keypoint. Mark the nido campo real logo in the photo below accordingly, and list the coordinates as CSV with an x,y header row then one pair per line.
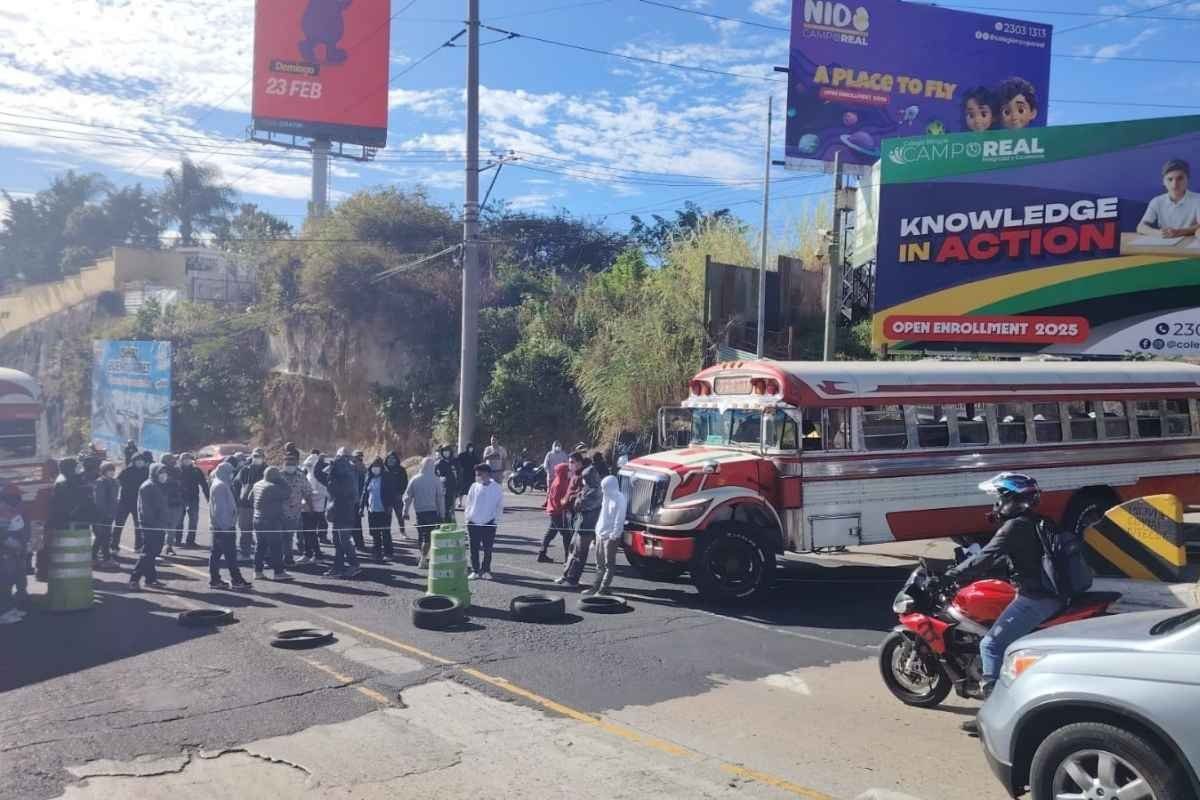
x,y
991,151
844,23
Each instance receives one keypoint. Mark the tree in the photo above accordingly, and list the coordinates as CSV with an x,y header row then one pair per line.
x,y
193,197
559,243
250,229
54,231
656,238
133,218
532,399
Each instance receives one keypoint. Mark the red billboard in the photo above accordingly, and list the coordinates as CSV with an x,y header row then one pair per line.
x,y
321,69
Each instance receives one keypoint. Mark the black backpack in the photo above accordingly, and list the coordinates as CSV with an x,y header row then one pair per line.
x,y
1065,569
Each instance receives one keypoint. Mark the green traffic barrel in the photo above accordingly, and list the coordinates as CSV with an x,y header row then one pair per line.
x,y
69,586
448,563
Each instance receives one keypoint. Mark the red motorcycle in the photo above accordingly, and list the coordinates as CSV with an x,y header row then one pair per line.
x,y
936,645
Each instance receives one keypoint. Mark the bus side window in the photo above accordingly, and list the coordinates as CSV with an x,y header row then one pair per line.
x,y
837,429
1082,416
1047,424
1150,418
1178,418
18,439
933,426
1010,423
1116,424
972,424
883,428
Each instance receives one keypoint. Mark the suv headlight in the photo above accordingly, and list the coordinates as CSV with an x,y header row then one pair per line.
x,y
681,513
903,603
1017,662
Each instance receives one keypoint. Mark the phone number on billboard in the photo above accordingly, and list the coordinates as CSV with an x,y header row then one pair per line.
x,y
1022,30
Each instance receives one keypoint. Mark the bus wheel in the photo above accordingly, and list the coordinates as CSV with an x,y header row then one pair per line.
x,y
654,569
732,566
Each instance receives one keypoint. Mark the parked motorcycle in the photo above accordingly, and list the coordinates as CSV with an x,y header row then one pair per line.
x,y
527,476
935,648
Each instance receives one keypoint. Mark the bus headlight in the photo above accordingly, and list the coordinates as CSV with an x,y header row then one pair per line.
x,y
682,513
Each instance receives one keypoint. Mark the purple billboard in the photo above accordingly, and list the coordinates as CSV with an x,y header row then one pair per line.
x,y
873,69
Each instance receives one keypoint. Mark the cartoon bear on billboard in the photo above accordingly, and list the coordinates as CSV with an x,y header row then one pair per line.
x,y
323,25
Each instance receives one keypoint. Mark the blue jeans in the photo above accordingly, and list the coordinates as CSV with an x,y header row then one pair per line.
x,y
1022,615
345,556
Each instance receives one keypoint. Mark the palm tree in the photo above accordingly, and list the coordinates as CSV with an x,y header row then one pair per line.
x,y
194,197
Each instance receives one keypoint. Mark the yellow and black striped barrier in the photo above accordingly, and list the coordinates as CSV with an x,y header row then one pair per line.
x,y
1142,539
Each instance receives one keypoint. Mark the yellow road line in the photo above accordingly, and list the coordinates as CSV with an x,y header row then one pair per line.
x,y
398,645
346,680
778,783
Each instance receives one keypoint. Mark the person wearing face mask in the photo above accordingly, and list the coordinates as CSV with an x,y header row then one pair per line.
x,y
173,487
395,482
379,514
154,519
222,511
71,503
193,482
300,496
313,514
341,479
587,507
360,470
485,506
466,461
105,494
243,489
270,496
425,495
444,469
130,479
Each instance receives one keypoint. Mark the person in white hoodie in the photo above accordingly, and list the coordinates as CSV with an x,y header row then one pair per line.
x,y
610,529
312,514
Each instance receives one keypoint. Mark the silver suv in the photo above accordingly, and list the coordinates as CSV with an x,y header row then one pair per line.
x,y
1104,709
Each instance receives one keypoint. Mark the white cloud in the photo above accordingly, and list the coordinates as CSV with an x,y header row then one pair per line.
x,y
1119,48
776,9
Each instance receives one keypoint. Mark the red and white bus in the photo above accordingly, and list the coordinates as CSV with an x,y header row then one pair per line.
x,y
24,459
802,456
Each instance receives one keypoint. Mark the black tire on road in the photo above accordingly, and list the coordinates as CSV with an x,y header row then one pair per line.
x,y
437,612
732,566
604,604
937,691
655,569
516,486
1086,742
205,617
302,638
537,607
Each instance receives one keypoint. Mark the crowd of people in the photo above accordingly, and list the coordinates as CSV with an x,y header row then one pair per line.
x,y
308,511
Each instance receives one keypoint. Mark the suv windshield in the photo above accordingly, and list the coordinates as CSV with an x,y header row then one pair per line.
x,y
739,428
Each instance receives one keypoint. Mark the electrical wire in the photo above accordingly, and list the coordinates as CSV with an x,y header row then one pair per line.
x,y
1130,15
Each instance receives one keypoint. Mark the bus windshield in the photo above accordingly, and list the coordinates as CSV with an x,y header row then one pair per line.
x,y
737,428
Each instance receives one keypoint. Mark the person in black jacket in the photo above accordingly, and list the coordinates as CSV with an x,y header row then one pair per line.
x,y
466,461
446,470
343,511
130,479
130,452
396,481
270,495
1017,543
173,488
243,489
105,493
193,483
360,470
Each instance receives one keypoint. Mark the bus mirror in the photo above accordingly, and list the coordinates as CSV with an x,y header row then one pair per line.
x,y
711,467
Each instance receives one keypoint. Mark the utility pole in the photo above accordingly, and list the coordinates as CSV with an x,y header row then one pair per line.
x,y
762,260
834,287
468,394
319,203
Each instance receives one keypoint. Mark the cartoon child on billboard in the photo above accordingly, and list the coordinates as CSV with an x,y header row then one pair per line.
x,y
1176,212
980,109
1018,103
323,25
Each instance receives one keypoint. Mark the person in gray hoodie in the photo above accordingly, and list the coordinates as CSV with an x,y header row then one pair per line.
x,y
105,494
270,497
426,494
223,516
155,520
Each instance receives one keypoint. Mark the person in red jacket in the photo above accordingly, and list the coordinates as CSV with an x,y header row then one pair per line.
x,y
559,512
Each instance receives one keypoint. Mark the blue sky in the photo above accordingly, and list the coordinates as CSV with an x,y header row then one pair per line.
x,y
123,87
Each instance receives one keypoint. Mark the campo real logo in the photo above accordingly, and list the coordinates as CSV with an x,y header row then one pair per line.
x,y
993,150
828,20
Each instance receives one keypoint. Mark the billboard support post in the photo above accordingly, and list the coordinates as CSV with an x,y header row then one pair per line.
x,y
762,264
320,178
833,283
468,368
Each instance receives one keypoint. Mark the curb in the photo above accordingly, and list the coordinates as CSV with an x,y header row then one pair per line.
x,y
1145,595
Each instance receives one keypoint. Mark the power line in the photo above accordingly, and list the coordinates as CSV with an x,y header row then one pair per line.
x,y
1057,13
1132,14
539,11
627,57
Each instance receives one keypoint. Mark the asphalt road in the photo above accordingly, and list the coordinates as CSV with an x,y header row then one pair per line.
x,y
784,697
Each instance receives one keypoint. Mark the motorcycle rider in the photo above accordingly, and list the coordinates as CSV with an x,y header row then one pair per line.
x,y
1016,541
